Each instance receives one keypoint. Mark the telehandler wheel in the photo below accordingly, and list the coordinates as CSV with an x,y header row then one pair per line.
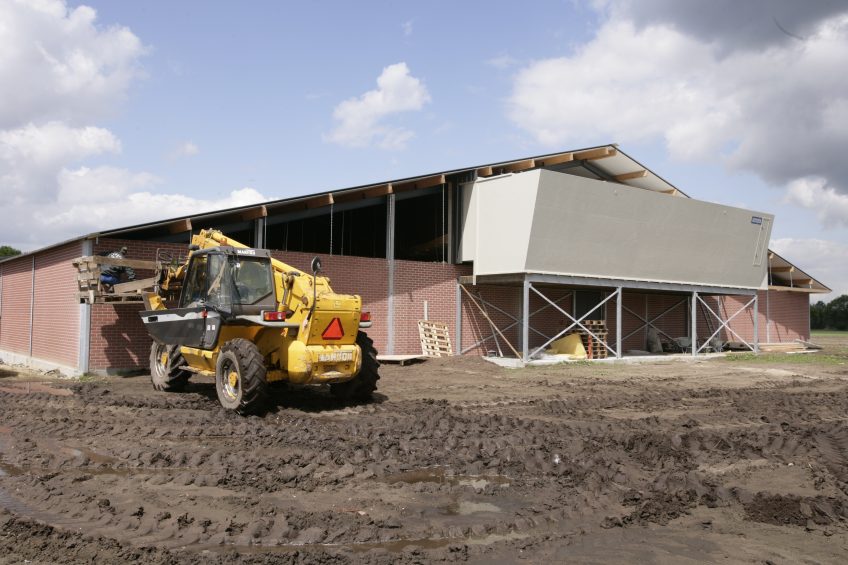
x,y
165,372
363,385
240,377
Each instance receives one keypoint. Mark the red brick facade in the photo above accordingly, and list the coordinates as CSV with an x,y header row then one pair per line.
x,y
118,339
53,305
15,312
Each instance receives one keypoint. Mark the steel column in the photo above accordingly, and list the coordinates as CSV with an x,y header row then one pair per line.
x,y
618,301
259,233
757,323
694,321
390,259
458,328
525,320
84,339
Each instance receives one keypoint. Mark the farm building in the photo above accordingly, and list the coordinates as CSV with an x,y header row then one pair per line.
x,y
510,256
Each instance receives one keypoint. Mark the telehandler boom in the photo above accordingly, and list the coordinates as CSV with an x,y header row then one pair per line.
x,y
249,320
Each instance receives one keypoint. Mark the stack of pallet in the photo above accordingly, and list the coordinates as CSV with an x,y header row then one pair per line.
x,y
594,348
93,291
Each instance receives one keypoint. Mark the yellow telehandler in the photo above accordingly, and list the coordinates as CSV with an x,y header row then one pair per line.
x,y
250,320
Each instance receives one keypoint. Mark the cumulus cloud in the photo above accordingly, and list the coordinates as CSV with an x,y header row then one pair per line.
x,y
813,193
61,72
362,120
114,197
56,64
732,25
31,156
826,260
689,76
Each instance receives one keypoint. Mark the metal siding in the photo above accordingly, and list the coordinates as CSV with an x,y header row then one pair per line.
x,y
587,227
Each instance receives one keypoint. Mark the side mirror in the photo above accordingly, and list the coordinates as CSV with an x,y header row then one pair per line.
x,y
316,265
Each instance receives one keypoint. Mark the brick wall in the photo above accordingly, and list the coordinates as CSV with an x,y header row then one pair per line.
x,y
55,331
16,296
788,316
118,339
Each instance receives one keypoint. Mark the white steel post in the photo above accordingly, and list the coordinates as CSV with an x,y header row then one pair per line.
x,y
390,258
618,301
525,320
458,328
757,323
694,320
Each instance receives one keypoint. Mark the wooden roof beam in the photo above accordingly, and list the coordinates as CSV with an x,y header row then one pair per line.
x,y
484,172
790,269
254,213
630,176
598,153
417,184
318,202
180,226
555,160
802,281
381,190
518,166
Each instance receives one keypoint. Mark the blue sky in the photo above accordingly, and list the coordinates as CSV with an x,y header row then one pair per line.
x,y
140,110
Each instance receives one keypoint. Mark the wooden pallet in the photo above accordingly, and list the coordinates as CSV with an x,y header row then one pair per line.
x,y
594,348
92,291
435,339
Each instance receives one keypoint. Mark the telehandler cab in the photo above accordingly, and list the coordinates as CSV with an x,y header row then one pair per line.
x,y
250,320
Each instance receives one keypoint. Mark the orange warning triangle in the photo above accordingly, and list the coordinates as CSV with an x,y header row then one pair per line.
x,y
334,330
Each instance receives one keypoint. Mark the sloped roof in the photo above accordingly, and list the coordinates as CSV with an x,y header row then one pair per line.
x,y
604,162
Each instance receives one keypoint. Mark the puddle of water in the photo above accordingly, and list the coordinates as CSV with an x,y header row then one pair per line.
x,y
439,475
466,507
7,470
93,456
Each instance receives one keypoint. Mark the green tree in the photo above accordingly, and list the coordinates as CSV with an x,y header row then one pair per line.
x,y
818,312
836,317
6,251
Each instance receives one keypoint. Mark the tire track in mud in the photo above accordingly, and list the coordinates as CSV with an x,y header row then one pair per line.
x,y
175,470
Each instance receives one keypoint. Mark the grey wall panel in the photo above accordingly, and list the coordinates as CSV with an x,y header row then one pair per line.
x,y
594,228
502,210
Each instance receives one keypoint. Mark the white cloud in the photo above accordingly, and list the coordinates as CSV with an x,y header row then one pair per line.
x,y
825,260
361,120
407,28
93,199
814,194
766,106
32,156
57,64
185,149
61,72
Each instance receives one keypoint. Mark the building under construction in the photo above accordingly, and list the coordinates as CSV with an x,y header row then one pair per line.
x,y
509,257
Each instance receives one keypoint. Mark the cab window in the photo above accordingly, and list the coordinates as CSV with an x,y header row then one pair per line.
x,y
253,280
194,290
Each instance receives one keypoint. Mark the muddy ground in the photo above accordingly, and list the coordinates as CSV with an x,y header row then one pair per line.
x,y
732,461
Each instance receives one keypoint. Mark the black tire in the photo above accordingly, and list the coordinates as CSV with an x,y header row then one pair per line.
x,y
361,388
165,372
240,377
